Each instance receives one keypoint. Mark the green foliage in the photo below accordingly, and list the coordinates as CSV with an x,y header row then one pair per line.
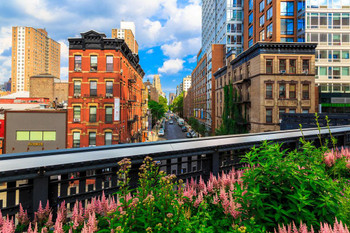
x,y
157,110
197,126
283,186
232,120
164,102
178,105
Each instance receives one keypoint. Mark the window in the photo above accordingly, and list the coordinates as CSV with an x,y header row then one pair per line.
x,y
36,135
92,117
268,1
109,87
77,63
250,18
109,115
269,30
269,13
92,139
292,91
345,71
292,110
76,113
305,111
292,66
22,135
305,93
250,32
322,71
93,63
250,5
76,139
269,91
108,138
109,63
287,26
301,5
268,115
287,39
250,43
93,88
262,5
262,20
262,35
283,65
287,8
345,54
280,112
269,66
77,87
49,135
282,91
306,66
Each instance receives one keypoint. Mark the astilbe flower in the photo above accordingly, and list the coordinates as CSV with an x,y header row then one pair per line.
x,y
22,217
59,223
337,228
77,215
92,222
331,156
1,220
7,226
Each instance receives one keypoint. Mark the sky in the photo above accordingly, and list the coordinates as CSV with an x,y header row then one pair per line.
x,y
168,31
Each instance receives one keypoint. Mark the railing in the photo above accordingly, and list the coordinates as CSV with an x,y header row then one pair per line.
x,y
307,120
82,173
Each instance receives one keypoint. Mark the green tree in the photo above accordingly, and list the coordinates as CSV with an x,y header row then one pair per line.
x,y
164,102
232,120
178,105
157,110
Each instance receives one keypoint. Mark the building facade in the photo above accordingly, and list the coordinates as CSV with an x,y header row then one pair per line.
x,y
327,24
171,98
48,86
127,32
270,79
152,91
186,83
35,130
188,104
105,82
144,115
33,53
156,84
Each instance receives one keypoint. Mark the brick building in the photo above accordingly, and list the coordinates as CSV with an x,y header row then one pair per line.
x,y
152,91
105,82
188,104
48,86
270,79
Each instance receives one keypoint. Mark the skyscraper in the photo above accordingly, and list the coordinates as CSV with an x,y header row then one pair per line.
x,y
127,32
186,84
157,85
33,53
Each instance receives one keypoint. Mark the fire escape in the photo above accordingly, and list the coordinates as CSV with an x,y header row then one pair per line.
x,y
132,117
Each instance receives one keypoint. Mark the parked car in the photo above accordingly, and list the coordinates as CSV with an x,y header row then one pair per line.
x,y
184,129
194,134
171,122
161,132
188,135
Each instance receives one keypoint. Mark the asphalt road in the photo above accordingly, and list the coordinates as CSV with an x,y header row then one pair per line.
x,y
173,131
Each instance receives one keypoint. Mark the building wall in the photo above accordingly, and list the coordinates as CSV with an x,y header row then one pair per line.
x,y
128,36
250,79
33,53
127,86
47,86
41,121
199,79
188,104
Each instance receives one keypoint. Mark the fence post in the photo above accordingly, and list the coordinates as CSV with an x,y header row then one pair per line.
x,y
216,163
40,189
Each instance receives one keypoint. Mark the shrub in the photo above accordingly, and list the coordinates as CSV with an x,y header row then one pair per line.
x,y
282,186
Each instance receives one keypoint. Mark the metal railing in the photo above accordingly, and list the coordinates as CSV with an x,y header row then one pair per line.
x,y
82,173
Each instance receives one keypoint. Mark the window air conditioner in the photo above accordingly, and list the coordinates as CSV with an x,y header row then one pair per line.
x,y
76,95
76,120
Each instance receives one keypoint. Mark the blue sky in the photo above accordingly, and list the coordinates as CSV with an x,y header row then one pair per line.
x,y
168,31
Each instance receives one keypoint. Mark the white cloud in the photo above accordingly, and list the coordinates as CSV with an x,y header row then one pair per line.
x,y
181,49
5,61
64,49
192,59
5,38
150,51
171,66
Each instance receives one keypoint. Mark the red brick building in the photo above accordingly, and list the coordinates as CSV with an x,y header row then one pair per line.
x,y
105,82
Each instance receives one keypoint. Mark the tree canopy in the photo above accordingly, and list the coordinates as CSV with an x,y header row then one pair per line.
x,y
178,104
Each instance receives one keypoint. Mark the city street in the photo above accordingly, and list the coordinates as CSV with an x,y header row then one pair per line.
x,y
172,131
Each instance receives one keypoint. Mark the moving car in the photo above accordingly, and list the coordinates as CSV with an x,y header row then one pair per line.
x,y
184,129
188,135
171,122
161,132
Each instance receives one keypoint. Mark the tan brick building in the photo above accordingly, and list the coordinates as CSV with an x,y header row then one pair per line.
x,y
127,33
271,79
48,86
152,91
33,53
